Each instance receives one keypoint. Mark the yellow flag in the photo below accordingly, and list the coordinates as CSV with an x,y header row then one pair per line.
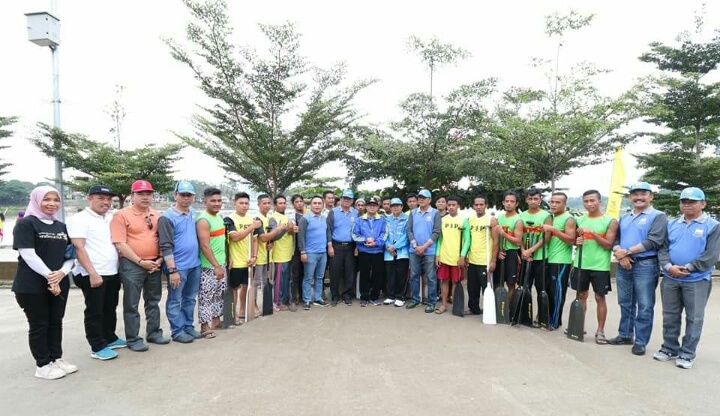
x,y
616,186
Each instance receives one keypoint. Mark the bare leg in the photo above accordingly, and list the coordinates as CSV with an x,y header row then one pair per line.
x,y
444,288
583,300
601,312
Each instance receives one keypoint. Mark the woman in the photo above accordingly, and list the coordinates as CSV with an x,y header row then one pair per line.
x,y
40,286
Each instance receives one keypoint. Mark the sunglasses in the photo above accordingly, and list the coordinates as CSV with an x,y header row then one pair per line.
x,y
149,223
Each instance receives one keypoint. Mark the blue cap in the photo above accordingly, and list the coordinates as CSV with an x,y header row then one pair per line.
x,y
693,194
348,193
425,193
640,186
184,187
395,201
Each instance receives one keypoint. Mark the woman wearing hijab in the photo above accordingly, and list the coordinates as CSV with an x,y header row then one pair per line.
x,y
40,286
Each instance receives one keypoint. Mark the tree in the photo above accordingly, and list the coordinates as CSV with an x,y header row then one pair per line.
x,y
688,107
253,96
101,163
547,133
14,192
117,113
5,122
436,54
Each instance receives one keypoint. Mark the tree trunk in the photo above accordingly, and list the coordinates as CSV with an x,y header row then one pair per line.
x,y
552,184
121,201
697,145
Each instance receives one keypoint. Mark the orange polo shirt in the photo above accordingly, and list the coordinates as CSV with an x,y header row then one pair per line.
x,y
138,229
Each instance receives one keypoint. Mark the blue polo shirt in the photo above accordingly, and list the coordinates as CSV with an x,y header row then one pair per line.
x,y
178,238
340,224
693,244
635,228
312,237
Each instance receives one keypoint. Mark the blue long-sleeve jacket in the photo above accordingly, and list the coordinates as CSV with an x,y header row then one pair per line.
x,y
397,236
375,227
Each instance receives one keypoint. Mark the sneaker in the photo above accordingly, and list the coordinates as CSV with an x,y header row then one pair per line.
x,y
347,301
411,304
334,303
399,303
363,303
118,343
307,306
291,307
638,349
376,302
321,303
159,339
49,372
138,346
388,301
685,363
184,338
104,354
193,333
618,340
65,366
430,308
664,355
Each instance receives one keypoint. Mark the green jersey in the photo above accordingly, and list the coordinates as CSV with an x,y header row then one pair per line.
x,y
508,226
535,231
558,251
595,257
217,238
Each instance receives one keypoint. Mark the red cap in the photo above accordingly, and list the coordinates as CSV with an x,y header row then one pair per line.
x,y
141,186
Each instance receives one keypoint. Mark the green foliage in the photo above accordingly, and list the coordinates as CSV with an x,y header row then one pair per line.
x,y
435,54
4,133
688,108
100,163
14,192
255,97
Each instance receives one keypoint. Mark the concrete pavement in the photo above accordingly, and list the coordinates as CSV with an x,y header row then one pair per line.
x,y
351,361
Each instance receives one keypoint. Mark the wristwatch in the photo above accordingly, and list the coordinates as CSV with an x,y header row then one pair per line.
x,y
171,271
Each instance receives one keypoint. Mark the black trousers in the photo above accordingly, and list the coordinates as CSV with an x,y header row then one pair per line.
x,y
476,284
372,275
396,272
297,271
342,270
44,312
100,310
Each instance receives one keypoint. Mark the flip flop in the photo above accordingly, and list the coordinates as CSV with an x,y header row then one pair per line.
x,y
600,338
440,310
209,334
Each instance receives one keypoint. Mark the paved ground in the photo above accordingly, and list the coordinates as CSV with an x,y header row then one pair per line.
x,y
362,361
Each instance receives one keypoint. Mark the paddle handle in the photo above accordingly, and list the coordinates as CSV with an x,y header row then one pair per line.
x,y
579,272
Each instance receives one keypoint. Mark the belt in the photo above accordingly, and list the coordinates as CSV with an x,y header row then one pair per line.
x,y
344,244
644,258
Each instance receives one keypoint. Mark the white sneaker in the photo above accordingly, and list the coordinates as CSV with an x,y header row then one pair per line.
x,y
399,303
388,301
685,363
65,366
49,372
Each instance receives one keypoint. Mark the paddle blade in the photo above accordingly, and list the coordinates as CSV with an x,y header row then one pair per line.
x,y
267,301
576,323
502,309
228,308
543,309
526,308
515,306
458,300
489,317
250,301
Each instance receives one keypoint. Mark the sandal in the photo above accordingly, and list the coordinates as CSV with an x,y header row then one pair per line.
x,y
239,321
209,334
441,310
600,338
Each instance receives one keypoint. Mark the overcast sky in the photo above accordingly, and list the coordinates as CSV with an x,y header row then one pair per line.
x,y
105,43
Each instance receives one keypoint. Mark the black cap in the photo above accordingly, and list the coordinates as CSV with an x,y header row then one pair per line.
x,y
373,201
101,190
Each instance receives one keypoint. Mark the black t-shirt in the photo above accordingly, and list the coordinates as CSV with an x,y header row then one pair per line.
x,y
50,242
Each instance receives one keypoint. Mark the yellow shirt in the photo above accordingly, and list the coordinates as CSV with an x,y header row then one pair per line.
x,y
450,241
239,249
479,235
262,256
282,250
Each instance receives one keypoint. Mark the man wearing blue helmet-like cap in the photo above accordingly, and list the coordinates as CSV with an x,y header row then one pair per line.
x,y
341,252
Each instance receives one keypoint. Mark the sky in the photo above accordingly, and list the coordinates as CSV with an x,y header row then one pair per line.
x,y
109,43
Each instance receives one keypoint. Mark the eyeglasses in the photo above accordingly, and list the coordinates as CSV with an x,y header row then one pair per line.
x,y
149,223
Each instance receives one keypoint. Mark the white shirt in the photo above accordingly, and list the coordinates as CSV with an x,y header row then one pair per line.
x,y
98,243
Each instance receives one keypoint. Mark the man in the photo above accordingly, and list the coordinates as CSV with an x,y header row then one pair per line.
x,y
282,252
340,222
412,202
476,253
596,232
180,250
313,242
296,269
386,208
687,258
424,228
441,204
212,240
242,233
134,232
329,201
396,254
510,227
533,255
96,272
449,250
261,272
559,255
360,206
370,233
641,234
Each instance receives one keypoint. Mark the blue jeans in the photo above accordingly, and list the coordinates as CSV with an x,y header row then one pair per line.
x,y
636,297
419,265
283,270
314,269
676,296
180,305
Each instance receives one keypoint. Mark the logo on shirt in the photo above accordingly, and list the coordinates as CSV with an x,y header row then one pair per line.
x,y
452,225
428,219
698,232
642,221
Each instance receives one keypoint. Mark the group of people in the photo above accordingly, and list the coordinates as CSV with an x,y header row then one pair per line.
x,y
217,261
